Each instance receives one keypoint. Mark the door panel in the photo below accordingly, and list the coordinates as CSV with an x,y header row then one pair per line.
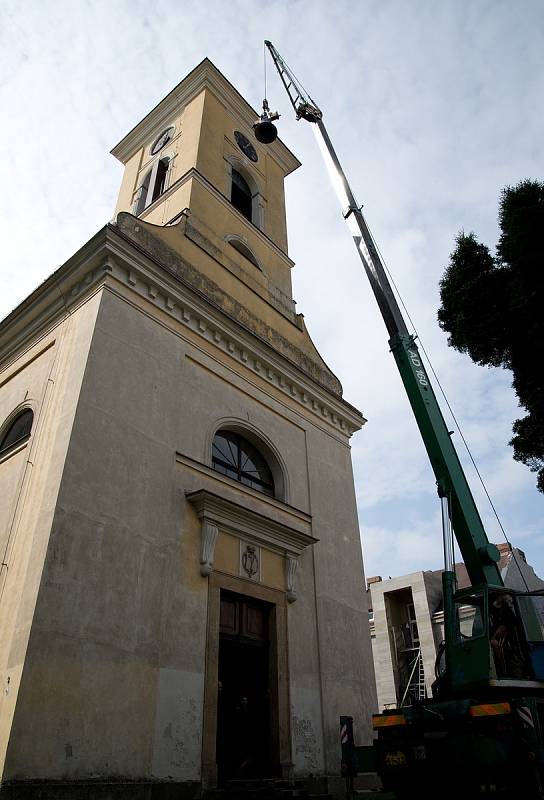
x,y
244,738
229,616
254,623
245,618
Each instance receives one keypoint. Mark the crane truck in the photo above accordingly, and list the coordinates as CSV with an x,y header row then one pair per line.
x,y
482,732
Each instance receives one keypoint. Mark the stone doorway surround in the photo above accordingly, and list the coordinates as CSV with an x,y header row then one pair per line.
x,y
224,519
279,676
219,514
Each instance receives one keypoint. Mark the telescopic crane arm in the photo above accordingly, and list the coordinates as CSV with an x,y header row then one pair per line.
x,y
300,100
458,505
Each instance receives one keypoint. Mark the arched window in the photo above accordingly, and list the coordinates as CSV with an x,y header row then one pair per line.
x,y
142,196
240,194
18,431
160,179
245,251
234,456
153,185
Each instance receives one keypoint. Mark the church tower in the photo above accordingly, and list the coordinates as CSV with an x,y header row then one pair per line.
x,y
182,588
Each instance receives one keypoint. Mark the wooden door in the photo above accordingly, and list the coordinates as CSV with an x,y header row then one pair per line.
x,y
243,707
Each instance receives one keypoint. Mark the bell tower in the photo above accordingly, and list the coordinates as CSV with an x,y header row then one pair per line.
x,y
194,159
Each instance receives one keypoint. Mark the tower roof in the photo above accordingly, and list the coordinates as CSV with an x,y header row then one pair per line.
x,y
204,75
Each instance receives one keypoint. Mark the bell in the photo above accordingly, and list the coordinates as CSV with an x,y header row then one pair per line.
x,y
265,131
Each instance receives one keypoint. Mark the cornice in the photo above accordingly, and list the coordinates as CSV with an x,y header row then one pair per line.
x,y
162,245
230,336
193,173
56,296
204,76
38,352
109,258
237,519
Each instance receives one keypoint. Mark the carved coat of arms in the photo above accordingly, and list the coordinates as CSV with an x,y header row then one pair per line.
x,y
250,561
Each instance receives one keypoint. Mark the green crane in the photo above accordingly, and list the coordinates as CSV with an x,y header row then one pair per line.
x,y
478,671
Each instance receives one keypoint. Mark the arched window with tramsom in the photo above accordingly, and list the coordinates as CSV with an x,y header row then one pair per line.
x,y
17,432
233,455
240,195
153,185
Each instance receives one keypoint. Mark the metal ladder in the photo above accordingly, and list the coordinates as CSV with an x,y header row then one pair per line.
x,y
421,690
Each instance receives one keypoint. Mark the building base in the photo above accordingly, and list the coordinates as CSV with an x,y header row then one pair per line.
x,y
100,790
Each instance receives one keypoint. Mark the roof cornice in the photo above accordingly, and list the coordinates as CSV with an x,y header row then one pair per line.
x,y
53,298
204,76
111,259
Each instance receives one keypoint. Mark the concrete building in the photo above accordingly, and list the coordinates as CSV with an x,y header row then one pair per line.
x,y
181,562
407,624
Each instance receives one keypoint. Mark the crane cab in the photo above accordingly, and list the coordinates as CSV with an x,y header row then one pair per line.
x,y
496,642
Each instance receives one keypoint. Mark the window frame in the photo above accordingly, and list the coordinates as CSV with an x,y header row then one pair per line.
x,y
241,199
147,193
171,129
234,162
8,426
242,247
266,487
262,442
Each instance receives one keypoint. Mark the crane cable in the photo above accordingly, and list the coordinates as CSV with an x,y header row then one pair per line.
x,y
264,65
457,425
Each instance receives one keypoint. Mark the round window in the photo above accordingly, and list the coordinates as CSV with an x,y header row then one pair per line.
x,y
245,146
162,140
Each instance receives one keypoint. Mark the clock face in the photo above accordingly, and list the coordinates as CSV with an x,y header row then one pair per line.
x,y
161,140
245,146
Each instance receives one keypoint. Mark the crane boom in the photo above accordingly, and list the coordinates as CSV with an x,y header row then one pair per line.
x,y
300,100
493,637
479,555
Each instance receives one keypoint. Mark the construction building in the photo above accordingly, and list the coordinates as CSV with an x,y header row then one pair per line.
x,y
407,624
181,570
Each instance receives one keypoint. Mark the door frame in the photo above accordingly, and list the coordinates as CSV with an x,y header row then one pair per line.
x,y
280,721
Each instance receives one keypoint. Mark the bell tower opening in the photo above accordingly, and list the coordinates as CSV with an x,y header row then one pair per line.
x,y
241,195
244,737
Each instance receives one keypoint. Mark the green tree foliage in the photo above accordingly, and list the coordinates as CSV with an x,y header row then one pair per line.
x,y
492,307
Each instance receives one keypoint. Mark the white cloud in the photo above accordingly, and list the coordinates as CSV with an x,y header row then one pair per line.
x,y
433,108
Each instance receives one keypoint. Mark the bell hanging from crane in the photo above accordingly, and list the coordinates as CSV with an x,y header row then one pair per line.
x,y
265,131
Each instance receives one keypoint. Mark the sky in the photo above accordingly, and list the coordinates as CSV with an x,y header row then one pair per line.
x,y
433,107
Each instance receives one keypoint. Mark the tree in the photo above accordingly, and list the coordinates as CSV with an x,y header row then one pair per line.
x,y
492,307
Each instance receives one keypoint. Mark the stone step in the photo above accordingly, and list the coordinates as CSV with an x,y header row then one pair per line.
x,y
294,784
265,783
261,792
261,789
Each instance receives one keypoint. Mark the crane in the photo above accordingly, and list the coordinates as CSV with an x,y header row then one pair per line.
x,y
474,684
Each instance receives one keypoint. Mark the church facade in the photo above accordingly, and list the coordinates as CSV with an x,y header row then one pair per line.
x,y
181,594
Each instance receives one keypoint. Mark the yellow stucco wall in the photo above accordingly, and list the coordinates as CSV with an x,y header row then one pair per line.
x,y
227,559
48,376
227,554
203,141
181,150
272,569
